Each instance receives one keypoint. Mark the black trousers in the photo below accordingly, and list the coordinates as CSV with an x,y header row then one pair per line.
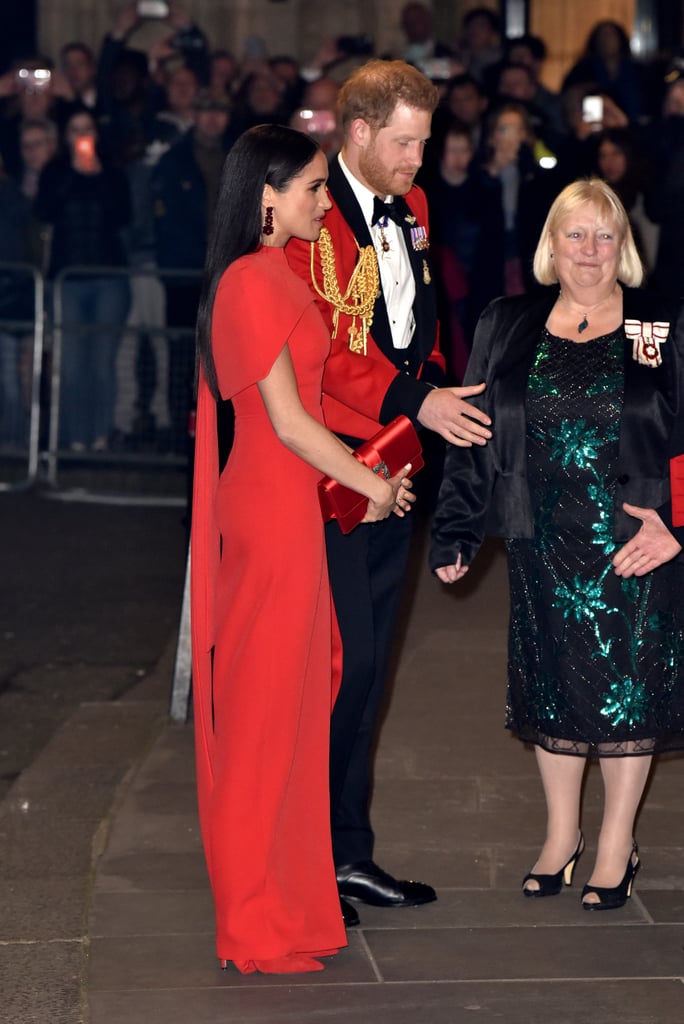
x,y
367,569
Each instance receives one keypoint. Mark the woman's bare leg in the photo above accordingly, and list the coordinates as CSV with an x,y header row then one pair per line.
x,y
624,780
561,776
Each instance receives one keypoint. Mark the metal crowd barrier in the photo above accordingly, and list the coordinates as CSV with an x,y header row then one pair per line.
x,y
38,452
143,474
19,454
141,464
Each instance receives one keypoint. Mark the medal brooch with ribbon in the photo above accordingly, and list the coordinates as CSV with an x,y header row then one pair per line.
x,y
646,340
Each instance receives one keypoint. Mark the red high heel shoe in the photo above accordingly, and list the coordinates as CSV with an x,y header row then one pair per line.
x,y
292,963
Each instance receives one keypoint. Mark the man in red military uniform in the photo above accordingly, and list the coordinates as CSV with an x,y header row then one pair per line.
x,y
384,361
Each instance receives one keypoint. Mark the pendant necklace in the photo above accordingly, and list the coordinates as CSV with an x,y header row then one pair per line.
x,y
584,322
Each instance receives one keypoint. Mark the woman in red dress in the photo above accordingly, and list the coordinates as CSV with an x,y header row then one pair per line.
x,y
261,610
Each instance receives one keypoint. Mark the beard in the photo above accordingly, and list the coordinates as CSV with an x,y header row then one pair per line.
x,y
381,179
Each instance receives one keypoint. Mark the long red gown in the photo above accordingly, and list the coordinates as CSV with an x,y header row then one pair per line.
x,y
261,601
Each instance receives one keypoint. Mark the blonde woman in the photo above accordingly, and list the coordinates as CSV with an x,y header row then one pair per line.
x,y
586,393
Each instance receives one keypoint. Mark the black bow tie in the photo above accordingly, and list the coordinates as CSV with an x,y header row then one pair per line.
x,y
397,210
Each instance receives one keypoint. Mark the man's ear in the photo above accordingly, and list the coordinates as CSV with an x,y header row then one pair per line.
x,y
360,132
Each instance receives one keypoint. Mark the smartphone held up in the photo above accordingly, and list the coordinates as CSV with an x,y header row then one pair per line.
x,y
85,157
153,9
592,112
437,69
318,122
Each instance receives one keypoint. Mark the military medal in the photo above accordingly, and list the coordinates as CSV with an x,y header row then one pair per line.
x,y
419,239
382,224
646,340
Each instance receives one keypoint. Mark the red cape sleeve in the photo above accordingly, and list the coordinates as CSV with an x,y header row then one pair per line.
x,y
205,548
258,303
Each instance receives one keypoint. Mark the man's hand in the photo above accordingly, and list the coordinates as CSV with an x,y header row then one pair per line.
x,y
446,411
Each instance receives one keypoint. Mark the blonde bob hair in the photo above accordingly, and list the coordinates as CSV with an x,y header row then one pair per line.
x,y
596,193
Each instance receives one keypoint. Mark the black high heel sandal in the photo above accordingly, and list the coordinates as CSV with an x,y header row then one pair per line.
x,y
551,885
613,899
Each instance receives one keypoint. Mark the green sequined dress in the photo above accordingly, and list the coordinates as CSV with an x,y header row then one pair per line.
x,y
595,661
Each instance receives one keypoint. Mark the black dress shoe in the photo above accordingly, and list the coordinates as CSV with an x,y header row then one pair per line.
x,y
349,914
366,882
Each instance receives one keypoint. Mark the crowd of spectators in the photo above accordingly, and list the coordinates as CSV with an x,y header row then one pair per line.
x,y
112,160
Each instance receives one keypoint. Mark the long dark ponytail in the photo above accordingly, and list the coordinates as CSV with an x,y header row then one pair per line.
x,y
269,154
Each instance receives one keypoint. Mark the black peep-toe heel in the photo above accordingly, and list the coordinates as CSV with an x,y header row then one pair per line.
x,y
613,899
551,885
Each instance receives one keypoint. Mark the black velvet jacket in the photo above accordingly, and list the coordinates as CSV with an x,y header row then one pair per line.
x,y
484,489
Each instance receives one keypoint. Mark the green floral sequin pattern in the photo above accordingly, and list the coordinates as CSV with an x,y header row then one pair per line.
x,y
595,661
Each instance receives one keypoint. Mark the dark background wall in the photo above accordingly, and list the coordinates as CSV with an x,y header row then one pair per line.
x,y
17,29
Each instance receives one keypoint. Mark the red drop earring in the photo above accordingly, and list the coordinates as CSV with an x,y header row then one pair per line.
x,y
268,221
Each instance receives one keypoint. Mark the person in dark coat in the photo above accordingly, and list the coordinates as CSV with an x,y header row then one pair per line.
x,y
467,226
87,202
184,187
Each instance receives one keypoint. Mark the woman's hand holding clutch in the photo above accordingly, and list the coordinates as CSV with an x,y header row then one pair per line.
x,y
398,499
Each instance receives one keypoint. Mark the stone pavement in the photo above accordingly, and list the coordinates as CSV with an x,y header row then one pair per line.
x,y
118,929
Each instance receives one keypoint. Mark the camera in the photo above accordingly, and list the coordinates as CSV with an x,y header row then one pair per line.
x,y
319,121
34,79
355,46
437,69
153,9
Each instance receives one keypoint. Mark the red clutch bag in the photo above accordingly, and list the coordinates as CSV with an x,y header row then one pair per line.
x,y
386,452
677,489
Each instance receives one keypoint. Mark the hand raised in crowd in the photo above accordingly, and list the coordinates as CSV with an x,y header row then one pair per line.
x,y
179,14
160,51
327,55
613,117
652,546
9,84
446,411
125,20
399,500
59,86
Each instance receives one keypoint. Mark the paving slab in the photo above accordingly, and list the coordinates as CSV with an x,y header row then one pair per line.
x,y
630,1002
42,981
597,949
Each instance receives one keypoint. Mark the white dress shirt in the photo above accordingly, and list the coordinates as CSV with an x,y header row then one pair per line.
x,y
396,275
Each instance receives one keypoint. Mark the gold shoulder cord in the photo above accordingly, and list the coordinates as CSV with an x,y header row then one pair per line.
x,y
362,290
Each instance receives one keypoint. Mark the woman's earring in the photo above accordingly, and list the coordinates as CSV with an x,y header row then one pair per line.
x,y
268,221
